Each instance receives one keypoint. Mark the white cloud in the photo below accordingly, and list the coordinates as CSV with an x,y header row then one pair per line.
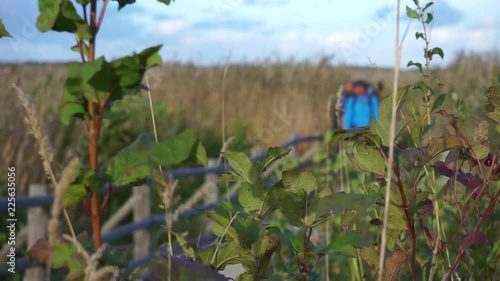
x,y
224,36
350,30
167,27
159,26
480,39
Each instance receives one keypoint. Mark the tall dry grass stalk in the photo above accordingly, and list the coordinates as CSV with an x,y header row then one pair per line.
x,y
93,270
45,150
69,174
168,201
392,133
225,143
168,191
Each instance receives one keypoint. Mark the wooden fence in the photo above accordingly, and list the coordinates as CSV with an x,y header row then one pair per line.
x,y
139,204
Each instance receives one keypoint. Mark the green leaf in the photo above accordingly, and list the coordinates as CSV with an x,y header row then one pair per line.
x,y
320,220
174,151
368,159
3,31
493,103
427,6
396,219
257,197
61,15
49,10
244,230
86,71
371,256
248,230
437,51
250,196
130,70
424,88
297,182
480,143
123,3
66,255
273,154
167,2
340,135
222,227
439,101
92,80
190,251
346,242
229,253
293,207
417,64
442,144
69,110
382,126
241,165
201,155
85,49
296,242
266,245
412,13
83,2
429,18
132,164
245,277
118,255
179,269
73,195
229,177
338,203
419,35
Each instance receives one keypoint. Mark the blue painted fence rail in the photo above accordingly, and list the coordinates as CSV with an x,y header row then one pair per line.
x,y
24,202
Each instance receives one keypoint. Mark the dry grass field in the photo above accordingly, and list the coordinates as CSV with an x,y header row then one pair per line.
x,y
269,100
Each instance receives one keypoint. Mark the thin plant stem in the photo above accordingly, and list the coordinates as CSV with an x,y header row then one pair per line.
x,y
151,110
222,237
101,15
392,132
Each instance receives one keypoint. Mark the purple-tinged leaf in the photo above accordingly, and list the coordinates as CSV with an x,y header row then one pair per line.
x,y
441,168
473,238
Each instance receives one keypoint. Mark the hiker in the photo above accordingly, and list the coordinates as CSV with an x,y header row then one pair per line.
x,y
358,101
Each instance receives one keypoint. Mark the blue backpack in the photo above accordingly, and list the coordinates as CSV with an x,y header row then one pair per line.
x,y
360,102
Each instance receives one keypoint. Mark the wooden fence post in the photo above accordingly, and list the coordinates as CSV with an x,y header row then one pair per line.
x,y
142,211
211,189
38,218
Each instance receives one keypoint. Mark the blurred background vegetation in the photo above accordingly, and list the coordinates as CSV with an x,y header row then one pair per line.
x,y
256,99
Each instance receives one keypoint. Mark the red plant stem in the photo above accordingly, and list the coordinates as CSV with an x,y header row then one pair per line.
x,y
86,207
410,226
468,214
305,241
94,198
85,18
105,201
80,49
305,245
101,16
299,264
102,108
487,213
314,264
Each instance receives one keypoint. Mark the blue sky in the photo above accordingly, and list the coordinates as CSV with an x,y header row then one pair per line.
x,y
356,32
